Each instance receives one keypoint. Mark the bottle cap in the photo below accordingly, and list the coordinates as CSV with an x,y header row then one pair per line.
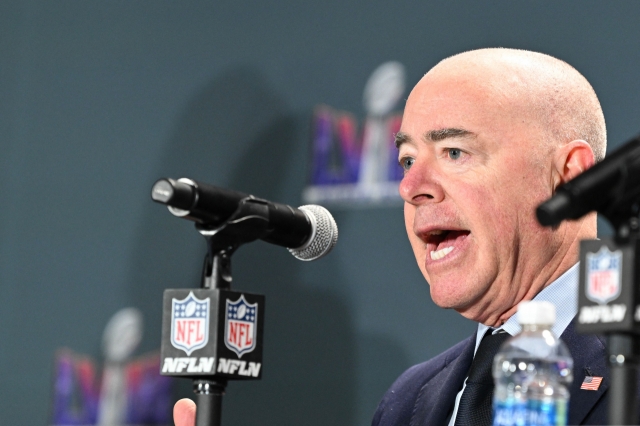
x,y
532,312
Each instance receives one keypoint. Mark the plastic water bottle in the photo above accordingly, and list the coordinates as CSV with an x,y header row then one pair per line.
x,y
532,372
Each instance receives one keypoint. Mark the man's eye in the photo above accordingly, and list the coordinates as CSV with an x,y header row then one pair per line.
x,y
454,153
406,163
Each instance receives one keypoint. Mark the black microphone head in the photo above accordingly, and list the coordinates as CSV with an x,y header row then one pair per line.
x,y
324,234
162,191
177,194
554,210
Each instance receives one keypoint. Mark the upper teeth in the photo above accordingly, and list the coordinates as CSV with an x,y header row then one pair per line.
x,y
436,232
439,254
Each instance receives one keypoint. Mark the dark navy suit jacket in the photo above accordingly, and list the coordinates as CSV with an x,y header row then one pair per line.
x,y
425,394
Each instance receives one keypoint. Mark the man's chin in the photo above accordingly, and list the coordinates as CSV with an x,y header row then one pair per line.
x,y
457,291
450,300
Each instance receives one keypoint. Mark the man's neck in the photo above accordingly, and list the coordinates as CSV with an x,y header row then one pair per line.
x,y
563,293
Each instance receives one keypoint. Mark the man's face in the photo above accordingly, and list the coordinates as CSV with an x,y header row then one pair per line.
x,y
472,182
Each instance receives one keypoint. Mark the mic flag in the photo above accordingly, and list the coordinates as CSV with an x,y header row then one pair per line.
x,y
212,333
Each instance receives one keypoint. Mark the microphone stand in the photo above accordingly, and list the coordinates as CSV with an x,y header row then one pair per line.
x,y
616,315
220,327
247,224
216,274
624,345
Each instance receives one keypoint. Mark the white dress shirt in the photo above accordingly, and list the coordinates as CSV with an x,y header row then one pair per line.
x,y
563,293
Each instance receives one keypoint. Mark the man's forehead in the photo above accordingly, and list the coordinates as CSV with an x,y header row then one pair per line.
x,y
445,105
455,108
484,79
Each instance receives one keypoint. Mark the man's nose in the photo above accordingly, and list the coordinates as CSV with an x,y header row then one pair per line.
x,y
421,184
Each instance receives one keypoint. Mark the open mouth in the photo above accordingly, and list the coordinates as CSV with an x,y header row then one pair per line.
x,y
441,242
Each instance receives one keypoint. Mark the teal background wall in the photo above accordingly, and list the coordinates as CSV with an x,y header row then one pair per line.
x,y
99,99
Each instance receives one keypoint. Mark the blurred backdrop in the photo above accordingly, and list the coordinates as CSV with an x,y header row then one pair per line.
x,y
98,99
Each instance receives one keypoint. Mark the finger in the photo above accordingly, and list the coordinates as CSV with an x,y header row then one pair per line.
x,y
184,413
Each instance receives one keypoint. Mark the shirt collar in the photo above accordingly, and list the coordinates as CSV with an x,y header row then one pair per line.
x,y
563,293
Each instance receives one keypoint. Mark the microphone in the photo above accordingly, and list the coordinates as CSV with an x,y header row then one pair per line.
x,y
605,187
309,232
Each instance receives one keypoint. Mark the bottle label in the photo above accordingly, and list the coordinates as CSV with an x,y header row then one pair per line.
x,y
530,413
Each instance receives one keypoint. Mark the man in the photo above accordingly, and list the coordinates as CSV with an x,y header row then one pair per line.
x,y
486,136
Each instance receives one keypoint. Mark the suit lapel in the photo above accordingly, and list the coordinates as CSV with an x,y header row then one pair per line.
x,y
588,353
437,396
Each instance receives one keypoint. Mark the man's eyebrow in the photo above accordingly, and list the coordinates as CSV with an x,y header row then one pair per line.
x,y
401,138
434,135
441,134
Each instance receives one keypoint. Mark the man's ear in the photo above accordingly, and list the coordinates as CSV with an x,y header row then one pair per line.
x,y
570,160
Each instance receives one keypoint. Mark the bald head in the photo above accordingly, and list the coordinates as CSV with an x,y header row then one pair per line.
x,y
538,86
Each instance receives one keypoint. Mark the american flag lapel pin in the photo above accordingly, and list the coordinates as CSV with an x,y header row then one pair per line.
x,y
591,383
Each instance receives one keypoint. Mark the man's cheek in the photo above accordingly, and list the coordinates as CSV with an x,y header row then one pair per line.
x,y
409,216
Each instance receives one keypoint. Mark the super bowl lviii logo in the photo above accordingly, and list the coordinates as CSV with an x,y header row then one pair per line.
x,y
603,275
189,323
356,164
240,326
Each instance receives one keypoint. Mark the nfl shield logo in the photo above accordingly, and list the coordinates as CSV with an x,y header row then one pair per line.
x,y
240,326
189,323
603,275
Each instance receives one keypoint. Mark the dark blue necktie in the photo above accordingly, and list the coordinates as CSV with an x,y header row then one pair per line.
x,y
475,404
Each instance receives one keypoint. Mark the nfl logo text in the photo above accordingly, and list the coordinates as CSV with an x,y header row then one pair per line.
x,y
240,326
206,331
602,281
189,323
603,275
